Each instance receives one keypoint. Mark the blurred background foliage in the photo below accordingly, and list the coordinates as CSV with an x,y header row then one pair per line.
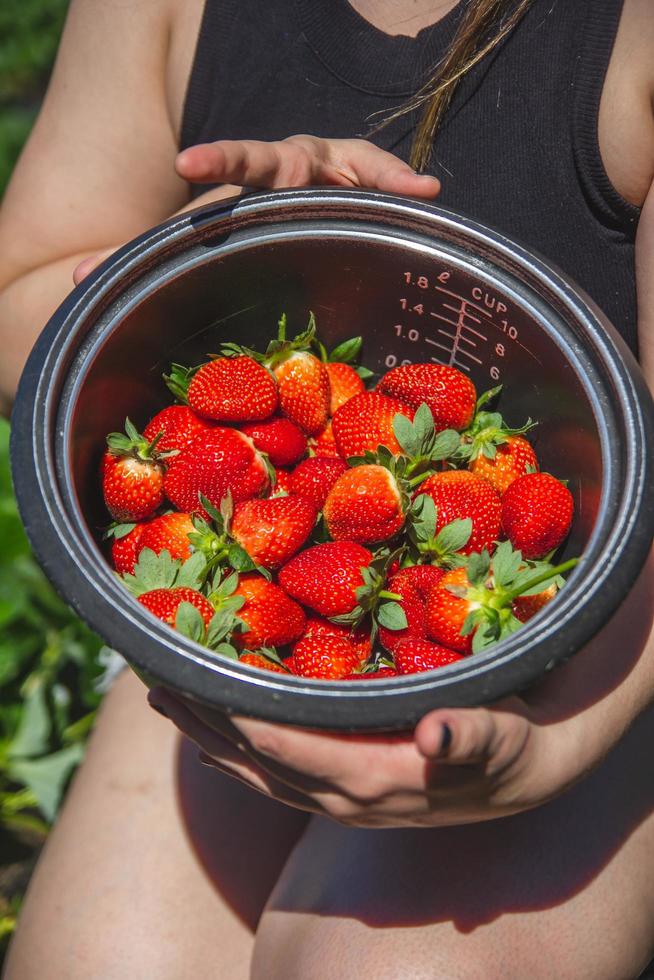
x,y
50,664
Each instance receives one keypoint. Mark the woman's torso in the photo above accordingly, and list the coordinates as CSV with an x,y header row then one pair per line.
x,y
521,149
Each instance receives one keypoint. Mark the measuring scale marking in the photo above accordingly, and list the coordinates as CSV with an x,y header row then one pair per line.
x,y
461,326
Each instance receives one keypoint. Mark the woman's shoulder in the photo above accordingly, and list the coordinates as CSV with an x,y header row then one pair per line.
x,y
626,121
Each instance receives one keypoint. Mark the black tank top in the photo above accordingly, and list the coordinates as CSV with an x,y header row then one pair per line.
x,y
518,150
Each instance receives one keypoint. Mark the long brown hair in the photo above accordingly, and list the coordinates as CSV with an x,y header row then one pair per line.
x,y
483,26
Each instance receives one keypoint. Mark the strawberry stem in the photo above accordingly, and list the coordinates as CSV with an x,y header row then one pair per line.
x,y
541,577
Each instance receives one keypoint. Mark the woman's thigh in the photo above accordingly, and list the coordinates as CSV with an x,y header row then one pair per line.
x,y
158,867
565,891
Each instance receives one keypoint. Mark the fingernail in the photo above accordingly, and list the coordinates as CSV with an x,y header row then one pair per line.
x,y
158,708
446,739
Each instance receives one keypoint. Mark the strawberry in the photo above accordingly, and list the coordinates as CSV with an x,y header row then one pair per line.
x,y
445,613
132,475
304,393
326,657
450,395
125,547
526,606
164,603
272,530
344,383
472,607
323,444
366,422
412,584
326,577
321,628
282,483
272,618
168,533
412,656
177,426
282,441
216,463
536,514
459,494
365,504
262,662
233,389
511,459
313,478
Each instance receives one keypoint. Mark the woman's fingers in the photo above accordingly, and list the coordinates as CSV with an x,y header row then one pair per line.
x,y
493,737
86,266
302,161
223,754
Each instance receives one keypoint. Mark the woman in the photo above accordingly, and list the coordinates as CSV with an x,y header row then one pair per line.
x,y
164,868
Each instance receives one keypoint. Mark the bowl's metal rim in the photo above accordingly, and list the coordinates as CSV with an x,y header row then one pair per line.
x,y
331,704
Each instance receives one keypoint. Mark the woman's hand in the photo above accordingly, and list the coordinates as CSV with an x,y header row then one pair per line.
x,y
299,161
460,765
302,161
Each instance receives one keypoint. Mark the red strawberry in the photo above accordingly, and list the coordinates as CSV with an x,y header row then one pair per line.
x,y
323,444
125,550
413,585
263,663
164,603
272,530
219,461
526,606
178,425
413,656
282,482
459,494
344,383
320,628
168,533
366,422
450,395
303,391
325,577
445,613
512,459
282,441
365,505
326,657
536,514
132,488
313,478
233,389
273,619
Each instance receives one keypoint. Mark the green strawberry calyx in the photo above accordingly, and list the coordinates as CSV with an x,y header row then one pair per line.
x,y
132,443
213,539
347,352
487,431
494,584
160,571
179,379
388,613
278,350
426,545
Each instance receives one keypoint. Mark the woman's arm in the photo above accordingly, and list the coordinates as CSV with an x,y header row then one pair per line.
x,y
97,169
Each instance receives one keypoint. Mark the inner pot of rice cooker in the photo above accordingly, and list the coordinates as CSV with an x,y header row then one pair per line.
x,y
418,283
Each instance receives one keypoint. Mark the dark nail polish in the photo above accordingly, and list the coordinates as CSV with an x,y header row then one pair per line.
x,y
446,740
158,708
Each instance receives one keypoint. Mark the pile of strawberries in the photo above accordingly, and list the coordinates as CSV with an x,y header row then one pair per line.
x,y
283,515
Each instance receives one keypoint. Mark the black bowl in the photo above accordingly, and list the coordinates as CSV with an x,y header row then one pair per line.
x,y
419,283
